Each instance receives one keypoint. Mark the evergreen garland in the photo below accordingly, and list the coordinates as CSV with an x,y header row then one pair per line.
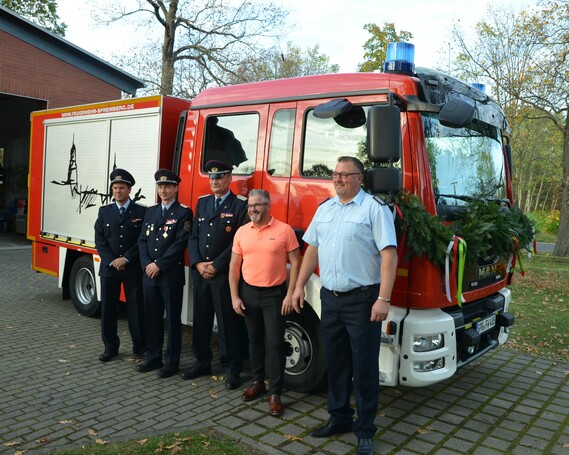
x,y
487,228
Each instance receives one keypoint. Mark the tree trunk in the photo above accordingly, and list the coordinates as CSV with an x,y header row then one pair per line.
x,y
562,244
167,81
538,195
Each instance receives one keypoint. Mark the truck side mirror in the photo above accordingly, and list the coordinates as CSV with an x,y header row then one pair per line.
x,y
384,133
383,180
456,113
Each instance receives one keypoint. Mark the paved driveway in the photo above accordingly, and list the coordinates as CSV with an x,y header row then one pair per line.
x,y
55,394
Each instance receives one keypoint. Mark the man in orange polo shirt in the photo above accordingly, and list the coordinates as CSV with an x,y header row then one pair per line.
x,y
259,292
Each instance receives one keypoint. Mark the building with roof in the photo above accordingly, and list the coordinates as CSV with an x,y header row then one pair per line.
x,y
40,70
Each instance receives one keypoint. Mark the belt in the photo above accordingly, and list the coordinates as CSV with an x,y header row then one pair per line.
x,y
263,288
352,291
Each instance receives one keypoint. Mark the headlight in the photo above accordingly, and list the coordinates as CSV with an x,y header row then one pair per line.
x,y
429,343
429,365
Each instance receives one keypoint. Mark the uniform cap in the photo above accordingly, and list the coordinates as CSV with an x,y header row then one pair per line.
x,y
121,176
163,176
217,169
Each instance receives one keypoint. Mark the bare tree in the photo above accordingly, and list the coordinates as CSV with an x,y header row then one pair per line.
x,y
207,41
525,57
273,63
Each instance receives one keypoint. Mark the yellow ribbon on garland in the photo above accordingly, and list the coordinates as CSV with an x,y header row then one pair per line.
x,y
460,272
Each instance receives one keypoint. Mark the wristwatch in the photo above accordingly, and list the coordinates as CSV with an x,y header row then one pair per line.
x,y
384,300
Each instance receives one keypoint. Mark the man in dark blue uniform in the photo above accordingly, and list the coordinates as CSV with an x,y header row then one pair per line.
x,y
117,229
162,245
218,216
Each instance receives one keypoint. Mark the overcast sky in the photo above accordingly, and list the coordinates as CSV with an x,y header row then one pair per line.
x,y
335,25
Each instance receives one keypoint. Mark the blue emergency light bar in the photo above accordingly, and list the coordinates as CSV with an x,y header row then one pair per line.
x,y
400,58
479,86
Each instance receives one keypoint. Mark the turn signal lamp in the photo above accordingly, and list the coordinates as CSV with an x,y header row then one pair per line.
x,y
400,58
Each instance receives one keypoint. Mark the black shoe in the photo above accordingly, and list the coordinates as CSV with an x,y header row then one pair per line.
x,y
146,366
331,429
365,447
106,356
195,372
167,371
232,381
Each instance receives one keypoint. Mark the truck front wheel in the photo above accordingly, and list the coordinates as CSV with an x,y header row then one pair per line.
x,y
82,287
305,368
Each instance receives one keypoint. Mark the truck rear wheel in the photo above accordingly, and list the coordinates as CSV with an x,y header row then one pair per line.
x,y
82,287
305,368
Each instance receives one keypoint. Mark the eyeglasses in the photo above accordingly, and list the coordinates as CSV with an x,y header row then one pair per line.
x,y
256,206
343,175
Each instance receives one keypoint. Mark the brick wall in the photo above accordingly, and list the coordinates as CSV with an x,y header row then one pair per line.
x,y
28,71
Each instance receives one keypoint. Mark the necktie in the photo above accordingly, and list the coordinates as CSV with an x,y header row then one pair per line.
x,y
217,204
122,210
163,211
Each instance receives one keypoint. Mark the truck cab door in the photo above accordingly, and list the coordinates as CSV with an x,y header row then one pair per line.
x,y
278,154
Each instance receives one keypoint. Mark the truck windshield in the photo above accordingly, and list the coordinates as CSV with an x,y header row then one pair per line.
x,y
466,163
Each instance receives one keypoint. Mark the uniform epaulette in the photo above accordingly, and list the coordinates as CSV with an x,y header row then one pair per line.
x,y
379,201
204,195
183,205
325,200
240,196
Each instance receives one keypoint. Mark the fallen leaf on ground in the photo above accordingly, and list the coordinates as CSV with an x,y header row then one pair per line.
x,y
292,437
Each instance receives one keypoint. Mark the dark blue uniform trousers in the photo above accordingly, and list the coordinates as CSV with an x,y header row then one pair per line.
x,y
156,300
213,298
110,291
351,345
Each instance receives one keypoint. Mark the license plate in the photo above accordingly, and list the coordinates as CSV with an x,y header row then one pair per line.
x,y
486,324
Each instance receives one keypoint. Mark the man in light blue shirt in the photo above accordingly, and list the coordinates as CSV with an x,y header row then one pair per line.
x,y
352,239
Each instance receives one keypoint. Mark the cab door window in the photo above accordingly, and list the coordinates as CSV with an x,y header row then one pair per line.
x,y
280,150
232,139
326,140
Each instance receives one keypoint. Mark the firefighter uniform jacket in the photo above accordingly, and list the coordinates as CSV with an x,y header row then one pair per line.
x,y
117,236
163,240
213,231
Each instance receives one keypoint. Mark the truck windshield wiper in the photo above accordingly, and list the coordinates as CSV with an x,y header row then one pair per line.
x,y
455,196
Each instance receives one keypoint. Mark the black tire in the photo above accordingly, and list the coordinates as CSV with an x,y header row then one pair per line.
x,y
305,369
82,287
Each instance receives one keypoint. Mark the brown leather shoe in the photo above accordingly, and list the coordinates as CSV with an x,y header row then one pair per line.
x,y
254,392
276,408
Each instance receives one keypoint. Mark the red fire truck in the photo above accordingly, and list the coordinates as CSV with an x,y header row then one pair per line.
x,y
423,131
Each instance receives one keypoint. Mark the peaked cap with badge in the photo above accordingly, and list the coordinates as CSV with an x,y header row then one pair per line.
x,y
217,169
121,176
165,176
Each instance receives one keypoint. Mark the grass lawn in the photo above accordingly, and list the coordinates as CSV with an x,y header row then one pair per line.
x,y
540,303
184,443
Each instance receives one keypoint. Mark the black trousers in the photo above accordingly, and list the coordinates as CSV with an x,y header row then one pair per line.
x,y
156,300
263,319
214,298
110,300
351,345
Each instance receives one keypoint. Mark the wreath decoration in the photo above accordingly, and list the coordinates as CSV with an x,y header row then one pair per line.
x,y
487,228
